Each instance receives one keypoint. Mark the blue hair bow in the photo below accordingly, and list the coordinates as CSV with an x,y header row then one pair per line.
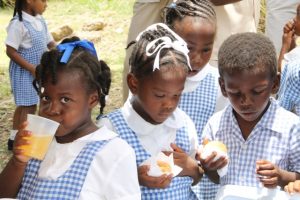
x,y
68,48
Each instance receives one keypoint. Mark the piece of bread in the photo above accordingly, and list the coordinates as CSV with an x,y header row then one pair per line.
x,y
164,166
216,145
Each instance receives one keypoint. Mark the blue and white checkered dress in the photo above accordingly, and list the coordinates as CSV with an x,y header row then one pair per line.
x,y
66,186
200,105
289,92
180,187
20,78
276,138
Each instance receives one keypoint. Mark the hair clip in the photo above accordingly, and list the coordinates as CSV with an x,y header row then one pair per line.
x,y
165,42
68,48
172,5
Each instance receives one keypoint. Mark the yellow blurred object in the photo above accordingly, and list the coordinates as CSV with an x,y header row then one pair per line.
x,y
164,166
217,144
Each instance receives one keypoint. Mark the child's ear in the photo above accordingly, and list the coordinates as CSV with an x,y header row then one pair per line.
x,y
276,83
132,83
222,86
93,99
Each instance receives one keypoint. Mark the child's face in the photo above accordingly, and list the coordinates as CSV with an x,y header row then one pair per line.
x,y
37,6
248,93
199,34
68,103
156,97
297,21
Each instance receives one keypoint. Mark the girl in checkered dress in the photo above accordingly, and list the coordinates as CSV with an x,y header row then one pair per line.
x,y
27,39
83,161
262,138
150,120
195,22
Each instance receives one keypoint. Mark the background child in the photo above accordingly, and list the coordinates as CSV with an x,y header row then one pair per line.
x,y
289,61
83,162
293,187
261,138
27,39
150,120
195,22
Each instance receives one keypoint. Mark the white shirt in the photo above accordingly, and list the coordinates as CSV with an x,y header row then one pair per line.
x,y
110,171
18,35
162,135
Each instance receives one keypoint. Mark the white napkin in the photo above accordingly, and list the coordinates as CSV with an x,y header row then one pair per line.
x,y
206,151
155,169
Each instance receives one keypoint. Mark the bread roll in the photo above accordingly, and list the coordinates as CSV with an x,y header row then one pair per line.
x,y
164,166
216,145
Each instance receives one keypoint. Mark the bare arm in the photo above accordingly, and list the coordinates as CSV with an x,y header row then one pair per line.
x,y
223,2
17,58
11,178
286,177
51,45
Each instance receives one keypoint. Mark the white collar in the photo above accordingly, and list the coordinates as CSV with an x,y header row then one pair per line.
x,y
142,127
191,82
29,17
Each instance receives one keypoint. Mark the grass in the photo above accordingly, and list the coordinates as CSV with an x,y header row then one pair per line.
x,y
115,13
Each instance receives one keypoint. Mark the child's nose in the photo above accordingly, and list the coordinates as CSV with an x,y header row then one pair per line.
x,y
54,109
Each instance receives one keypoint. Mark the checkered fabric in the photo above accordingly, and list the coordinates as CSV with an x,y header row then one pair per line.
x,y
68,186
180,187
20,78
200,106
276,138
289,92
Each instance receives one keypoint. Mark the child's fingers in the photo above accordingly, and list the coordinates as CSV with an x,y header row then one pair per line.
x,y
269,182
176,148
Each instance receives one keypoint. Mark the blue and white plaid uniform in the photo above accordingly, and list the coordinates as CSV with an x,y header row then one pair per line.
x,y
20,78
66,186
276,138
180,187
200,105
289,92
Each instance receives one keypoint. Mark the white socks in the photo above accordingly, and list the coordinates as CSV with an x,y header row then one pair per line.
x,y
13,134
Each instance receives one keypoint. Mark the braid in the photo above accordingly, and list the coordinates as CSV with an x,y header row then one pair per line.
x,y
142,65
195,8
18,9
96,74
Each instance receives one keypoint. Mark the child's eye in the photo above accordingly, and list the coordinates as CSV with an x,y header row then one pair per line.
x,y
206,50
45,98
160,95
65,100
257,92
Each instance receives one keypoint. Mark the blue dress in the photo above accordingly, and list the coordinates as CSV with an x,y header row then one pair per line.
x,y
20,78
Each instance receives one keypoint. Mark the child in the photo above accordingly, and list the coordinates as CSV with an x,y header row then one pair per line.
x,y
27,39
150,120
289,91
195,22
293,187
83,161
261,137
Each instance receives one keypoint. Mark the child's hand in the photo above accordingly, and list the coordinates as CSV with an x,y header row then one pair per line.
x,y
189,165
293,187
21,140
288,41
209,164
268,173
162,181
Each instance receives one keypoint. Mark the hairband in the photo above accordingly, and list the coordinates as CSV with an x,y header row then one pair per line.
x,y
68,48
165,42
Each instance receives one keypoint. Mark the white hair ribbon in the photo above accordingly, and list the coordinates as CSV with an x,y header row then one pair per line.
x,y
166,42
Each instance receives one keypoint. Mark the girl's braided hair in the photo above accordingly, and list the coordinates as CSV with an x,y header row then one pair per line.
x,y
141,65
19,4
195,8
96,74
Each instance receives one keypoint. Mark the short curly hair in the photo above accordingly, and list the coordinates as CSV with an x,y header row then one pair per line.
x,y
252,52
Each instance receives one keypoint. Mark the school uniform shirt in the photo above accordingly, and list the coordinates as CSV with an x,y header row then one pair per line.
x,y
201,98
112,173
18,35
289,91
162,135
276,138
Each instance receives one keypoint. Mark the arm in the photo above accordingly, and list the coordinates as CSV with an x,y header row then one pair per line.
x,y
288,42
51,45
223,2
12,175
17,58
